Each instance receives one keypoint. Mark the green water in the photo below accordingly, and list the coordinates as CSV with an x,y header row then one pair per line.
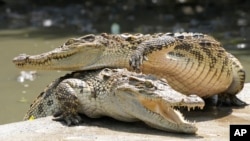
x,y
15,96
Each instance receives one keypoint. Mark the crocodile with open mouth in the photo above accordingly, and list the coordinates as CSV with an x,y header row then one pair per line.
x,y
117,93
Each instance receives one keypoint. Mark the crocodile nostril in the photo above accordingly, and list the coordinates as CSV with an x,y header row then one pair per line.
x,y
21,57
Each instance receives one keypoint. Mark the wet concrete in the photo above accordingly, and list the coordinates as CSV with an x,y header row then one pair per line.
x,y
213,124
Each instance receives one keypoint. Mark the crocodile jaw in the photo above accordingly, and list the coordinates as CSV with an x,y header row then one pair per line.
x,y
175,120
157,109
62,58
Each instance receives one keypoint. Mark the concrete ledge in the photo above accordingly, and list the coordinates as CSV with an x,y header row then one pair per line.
x,y
213,124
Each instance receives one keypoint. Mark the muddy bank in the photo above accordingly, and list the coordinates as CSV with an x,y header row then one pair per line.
x,y
213,124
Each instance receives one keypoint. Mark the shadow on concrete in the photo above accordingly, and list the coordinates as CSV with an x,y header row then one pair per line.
x,y
132,127
208,113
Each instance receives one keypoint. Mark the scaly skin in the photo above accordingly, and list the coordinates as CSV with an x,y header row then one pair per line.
x,y
192,63
117,93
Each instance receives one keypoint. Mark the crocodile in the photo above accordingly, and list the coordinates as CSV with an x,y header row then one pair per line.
x,y
192,63
117,93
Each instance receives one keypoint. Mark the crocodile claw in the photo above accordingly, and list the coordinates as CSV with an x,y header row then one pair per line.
x,y
230,100
136,61
67,118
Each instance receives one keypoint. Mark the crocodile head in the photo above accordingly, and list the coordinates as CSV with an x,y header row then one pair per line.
x,y
156,103
120,94
72,55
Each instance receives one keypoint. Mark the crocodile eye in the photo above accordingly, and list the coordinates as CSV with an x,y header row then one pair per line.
x,y
198,35
138,35
148,84
89,38
70,41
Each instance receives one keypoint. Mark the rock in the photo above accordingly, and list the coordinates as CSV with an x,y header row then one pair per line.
x,y
213,124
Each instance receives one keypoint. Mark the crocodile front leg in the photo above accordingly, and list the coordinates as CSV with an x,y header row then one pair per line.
x,y
149,46
68,101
